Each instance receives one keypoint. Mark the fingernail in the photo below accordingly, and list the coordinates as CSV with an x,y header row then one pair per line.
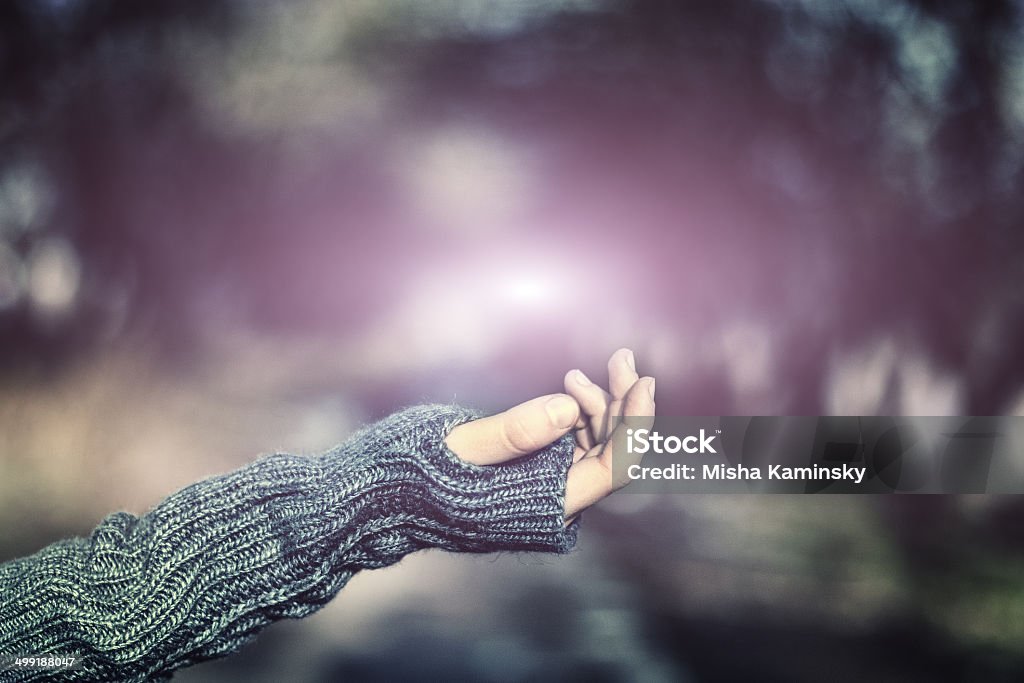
x,y
561,411
630,360
650,388
582,379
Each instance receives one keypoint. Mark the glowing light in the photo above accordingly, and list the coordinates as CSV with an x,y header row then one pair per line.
x,y
53,277
530,290
462,314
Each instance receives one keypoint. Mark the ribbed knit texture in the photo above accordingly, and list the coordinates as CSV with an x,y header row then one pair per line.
x,y
214,563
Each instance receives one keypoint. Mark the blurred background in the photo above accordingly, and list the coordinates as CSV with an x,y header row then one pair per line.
x,y
230,227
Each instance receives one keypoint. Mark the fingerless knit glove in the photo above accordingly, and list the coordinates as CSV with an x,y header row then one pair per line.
x,y
205,570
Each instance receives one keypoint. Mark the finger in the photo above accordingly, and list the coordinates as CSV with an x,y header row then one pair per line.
x,y
612,419
621,372
518,431
583,439
621,378
593,478
593,402
638,405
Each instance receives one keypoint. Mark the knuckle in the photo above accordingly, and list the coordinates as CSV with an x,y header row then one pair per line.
x,y
517,436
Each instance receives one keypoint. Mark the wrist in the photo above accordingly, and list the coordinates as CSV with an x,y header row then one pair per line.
x,y
420,494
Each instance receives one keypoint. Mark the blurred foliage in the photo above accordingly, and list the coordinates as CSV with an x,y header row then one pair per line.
x,y
832,175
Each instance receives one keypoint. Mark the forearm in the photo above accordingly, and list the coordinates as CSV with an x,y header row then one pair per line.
x,y
214,563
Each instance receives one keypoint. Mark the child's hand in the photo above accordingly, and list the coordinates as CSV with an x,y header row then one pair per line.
x,y
593,412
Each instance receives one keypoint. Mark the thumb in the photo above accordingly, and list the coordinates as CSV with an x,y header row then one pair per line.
x,y
526,428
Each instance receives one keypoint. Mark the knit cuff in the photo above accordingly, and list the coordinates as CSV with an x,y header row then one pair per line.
x,y
423,495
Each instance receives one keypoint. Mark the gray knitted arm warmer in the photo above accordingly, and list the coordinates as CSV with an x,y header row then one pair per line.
x,y
214,563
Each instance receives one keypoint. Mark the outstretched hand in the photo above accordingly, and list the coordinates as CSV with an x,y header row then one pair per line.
x,y
588,409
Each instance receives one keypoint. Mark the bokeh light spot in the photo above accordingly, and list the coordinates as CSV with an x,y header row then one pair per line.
x,y
53,277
